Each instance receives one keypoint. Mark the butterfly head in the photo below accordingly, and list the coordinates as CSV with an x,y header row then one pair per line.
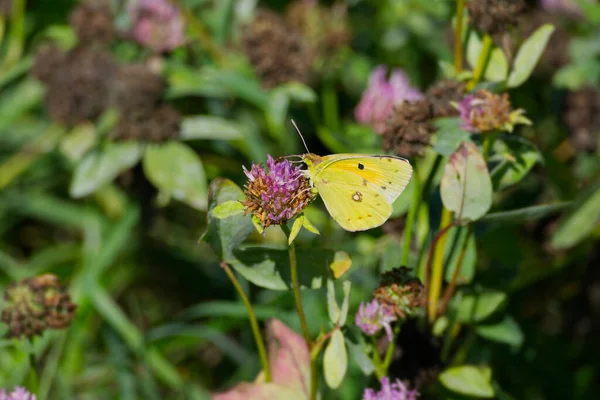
x,y
311,160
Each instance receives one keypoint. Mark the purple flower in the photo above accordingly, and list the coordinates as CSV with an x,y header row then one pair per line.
x,y
485,111
373,316
278,194
18,394
381,96
467,107
156,24
562,6
390,391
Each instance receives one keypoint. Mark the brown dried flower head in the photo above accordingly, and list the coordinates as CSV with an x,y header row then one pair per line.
x,y
92,22
277,51
401,293
485,111
408,130
582,116
148,125
442,94
136,87
494,16
36,304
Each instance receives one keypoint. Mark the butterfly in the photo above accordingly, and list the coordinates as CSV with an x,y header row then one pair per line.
x,y
358,189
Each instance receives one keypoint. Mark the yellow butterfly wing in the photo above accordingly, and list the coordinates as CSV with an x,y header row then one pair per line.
x,y
359,190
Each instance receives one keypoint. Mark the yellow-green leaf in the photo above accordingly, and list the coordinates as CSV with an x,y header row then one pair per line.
x,y
335,360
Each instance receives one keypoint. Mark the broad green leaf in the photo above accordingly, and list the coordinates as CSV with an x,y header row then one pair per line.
x,y
340,264
506,331
469,380
100,167
358,353
228,209
528,55
209,127
580,221
455,240
335,360
473,49
296,226
574,76
270,268
17,101
333,310
346,286
449,136
176,171
466,187
497,68
525,214
299,92
516,157
78,142
225,234
475,307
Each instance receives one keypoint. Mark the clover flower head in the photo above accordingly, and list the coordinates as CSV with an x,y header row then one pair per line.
x,y
382,95
276,194
372,317
485,111
18,394
156,24
400,293
390,391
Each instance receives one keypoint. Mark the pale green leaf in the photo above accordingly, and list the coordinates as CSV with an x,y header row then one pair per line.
x,y
506,331
332,306
309,226
335,360
298,222
476,307
469,380
228,209
529,54
580,221
210,127
346,286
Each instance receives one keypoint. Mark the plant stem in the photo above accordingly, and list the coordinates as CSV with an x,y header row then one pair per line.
x,y
436,251
14,50
376,358
260,343
486,47
458,44
33,381
488,143
300,310
410,219
450,289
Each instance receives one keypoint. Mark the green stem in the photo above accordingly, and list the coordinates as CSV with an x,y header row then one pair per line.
x,y
17,34
458,44
33,380
376,359
452,286
389,353
488,143
260,343
410,219
436,252
300,310
486,47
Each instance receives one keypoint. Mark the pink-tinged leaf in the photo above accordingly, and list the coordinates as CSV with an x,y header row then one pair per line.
x,y
289,360
466,187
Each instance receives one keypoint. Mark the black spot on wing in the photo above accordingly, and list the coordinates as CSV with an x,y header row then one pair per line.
x,y
360,166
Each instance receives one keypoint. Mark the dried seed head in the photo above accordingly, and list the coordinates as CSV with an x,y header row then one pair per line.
x,y
402,294
278,194
582,116
5,7
136,88
484,111
408,130
277,51
92,22
494,16
36,304
156,125
442,94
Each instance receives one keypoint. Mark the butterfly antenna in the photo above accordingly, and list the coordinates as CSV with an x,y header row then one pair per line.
x,y
301,137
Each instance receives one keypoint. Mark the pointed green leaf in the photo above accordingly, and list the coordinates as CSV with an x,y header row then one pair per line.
x,y
521,215
225,234
332,306
309,226
497,68
466,187
580,221
506,331
228,209
299,92
528,55
298,222
335,360
469,380
346,286
102,166
456,238
176,170
515,156
476,307
449,136
210,127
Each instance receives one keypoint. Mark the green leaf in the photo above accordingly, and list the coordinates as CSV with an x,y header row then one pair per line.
x,y
359,355
346,286
209,127
580,221
225,234
309,226
497,68
176,171
78,142
298,222
475,307
335,360
516,156
19,100
299,92
228,209
525,214
469,380
456,238
449,136
528,55
270,268
333,310
100,167
466,187
506,331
